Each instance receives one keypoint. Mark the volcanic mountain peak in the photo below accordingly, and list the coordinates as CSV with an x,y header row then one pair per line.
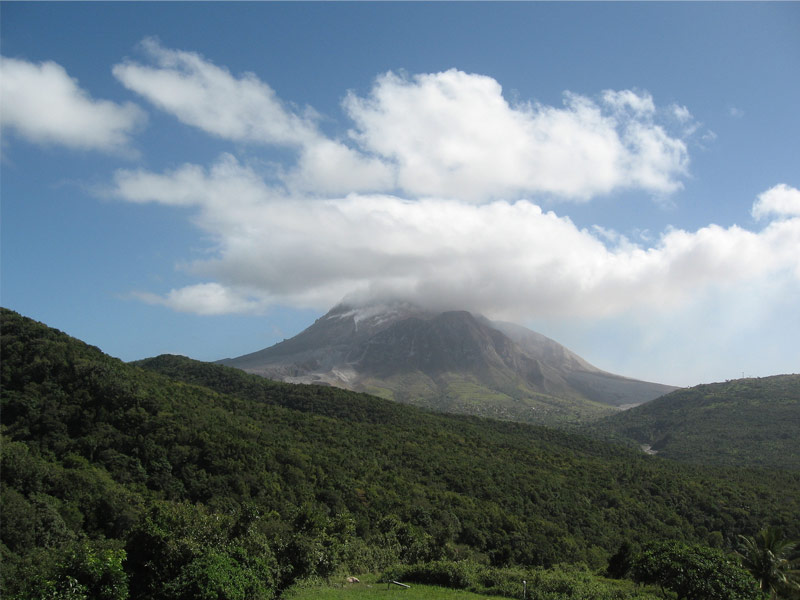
x,y
452,360
371,318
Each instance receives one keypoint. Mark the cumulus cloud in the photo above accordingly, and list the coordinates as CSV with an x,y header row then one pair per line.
x,y
432,197
44,105
450,134
781,200
206,96
246,109
453,134
501,258
227,183
330,167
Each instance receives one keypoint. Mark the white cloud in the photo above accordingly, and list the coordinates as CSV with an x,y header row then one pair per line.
x,y
449,134
43,104
329,167
203,95
780,200
453,134
501,258
627,100
228,182
681,113
429,198
205,299
245,109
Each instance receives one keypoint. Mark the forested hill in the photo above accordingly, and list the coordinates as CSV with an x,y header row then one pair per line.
x,y
744,422
168,478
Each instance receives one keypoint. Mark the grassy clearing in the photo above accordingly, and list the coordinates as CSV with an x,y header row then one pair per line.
x,y
369,588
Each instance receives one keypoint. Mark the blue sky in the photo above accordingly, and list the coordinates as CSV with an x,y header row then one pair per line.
x,y
207,179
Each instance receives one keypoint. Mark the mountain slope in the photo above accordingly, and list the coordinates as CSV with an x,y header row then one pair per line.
x,y
204,474
450,361
745,422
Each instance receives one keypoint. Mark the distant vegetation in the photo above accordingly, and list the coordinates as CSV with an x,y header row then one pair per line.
x,y
466,394
175,479
745,422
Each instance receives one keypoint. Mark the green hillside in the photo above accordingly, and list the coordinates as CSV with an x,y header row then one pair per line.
x,y
745,422
173,478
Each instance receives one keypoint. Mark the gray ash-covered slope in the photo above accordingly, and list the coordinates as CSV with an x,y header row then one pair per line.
x,y
451,361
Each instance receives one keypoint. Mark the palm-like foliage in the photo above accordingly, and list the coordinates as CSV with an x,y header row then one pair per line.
x,y
767,557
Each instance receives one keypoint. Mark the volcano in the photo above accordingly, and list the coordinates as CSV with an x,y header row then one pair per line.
x,y
451,361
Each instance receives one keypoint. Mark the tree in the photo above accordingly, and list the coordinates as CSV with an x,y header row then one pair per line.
x,y
620,564
766,557
81,570
694,572
181,551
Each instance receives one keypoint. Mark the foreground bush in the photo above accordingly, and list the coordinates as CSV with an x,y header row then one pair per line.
x,y
694,572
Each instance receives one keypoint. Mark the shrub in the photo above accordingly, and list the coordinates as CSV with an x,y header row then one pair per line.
x,y
562,582
694,572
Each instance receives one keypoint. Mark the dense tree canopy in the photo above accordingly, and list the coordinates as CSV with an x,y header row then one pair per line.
x,y
745,422
201,481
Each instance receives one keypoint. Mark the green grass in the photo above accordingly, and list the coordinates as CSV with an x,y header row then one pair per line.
x,y
369,588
